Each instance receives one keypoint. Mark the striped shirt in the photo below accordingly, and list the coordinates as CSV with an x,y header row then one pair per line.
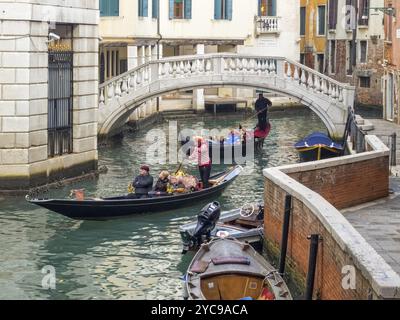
x,y
201,155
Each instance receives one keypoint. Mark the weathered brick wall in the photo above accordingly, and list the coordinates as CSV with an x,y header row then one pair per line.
x,y
331,258
318,190
349,184
369,96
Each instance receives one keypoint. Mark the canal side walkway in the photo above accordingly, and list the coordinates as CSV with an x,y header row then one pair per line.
x,y
379,223
383,129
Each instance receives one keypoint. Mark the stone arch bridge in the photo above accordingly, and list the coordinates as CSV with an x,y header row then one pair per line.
x,y
120,96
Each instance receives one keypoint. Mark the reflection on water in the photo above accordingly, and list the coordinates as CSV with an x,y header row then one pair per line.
x,y
138,257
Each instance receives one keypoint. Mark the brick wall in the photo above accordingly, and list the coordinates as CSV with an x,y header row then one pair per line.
x,y
349,184
344,182
369,96
331,257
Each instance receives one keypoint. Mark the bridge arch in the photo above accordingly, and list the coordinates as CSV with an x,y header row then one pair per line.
x,y
329,99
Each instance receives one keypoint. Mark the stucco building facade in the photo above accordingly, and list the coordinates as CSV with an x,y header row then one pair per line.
x,y
136,33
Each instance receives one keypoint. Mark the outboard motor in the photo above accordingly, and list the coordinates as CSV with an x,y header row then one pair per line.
x,y
207,220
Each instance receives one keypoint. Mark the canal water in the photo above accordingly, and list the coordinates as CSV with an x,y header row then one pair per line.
x,y
138,257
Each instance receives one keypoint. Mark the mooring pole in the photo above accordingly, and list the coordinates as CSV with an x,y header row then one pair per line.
x,y
312,266
285,233
393,149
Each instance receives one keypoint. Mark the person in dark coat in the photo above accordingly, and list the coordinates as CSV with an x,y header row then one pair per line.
x,y
162,184
262,105
143,183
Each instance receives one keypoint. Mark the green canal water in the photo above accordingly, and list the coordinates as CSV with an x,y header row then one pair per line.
x,y
138,257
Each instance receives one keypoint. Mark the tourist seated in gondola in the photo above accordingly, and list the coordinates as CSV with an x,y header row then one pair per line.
x,y
162,184
143,183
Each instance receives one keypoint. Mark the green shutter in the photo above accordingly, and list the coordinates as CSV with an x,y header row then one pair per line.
x,y
188,9
103,7
273,8
114,8
217,10
229,9
259,8
155,8
109,8
145,8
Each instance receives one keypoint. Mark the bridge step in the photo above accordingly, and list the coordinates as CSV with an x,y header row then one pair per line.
x,y
177,114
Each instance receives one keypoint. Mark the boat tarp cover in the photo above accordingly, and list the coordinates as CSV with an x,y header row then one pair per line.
x,y
318,138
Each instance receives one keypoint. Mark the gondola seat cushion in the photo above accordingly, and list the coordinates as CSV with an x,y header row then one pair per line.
x,y
231,260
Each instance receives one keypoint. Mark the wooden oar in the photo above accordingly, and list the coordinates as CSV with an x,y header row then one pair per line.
x,y
253,116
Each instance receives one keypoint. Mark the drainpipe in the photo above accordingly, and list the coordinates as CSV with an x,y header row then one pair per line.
x,y
285,233
312,266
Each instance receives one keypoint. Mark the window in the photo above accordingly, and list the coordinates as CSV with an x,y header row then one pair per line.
x,y
389,26
320,62
180,9
143,8
302,58
267,8
333,13
155,9
332,56
363,12
302,21
365,82
321,20
363,51
349,57
223,9
109,8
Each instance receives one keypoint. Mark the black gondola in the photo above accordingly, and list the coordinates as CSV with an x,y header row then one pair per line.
x,y
104,208
234,147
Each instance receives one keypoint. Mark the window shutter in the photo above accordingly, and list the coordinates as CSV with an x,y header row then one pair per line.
x,y
114,8
273,8
103,4
140,10
188,9
155,8
145,8
217,10
259,8
171,9
229,9
333,11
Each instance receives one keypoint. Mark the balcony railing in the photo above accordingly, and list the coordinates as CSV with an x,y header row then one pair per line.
x,y
265,25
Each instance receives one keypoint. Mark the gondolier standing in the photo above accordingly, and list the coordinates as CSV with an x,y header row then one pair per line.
x,y
202,157
262,105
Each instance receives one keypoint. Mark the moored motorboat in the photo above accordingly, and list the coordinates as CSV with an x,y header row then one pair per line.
x,y
105,208
227,269
244,224
318,146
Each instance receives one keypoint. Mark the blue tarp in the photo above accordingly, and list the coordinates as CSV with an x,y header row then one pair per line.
x,y
318,138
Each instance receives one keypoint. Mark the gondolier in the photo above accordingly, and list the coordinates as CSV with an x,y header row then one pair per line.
x,y
262,105
202,157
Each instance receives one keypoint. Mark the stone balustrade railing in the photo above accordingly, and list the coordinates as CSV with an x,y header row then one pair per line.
x,y
267,25
220,64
